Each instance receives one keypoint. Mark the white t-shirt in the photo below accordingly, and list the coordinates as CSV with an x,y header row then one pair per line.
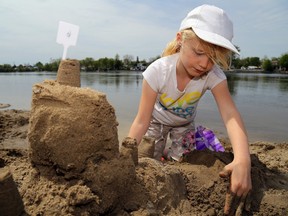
x,y
173,107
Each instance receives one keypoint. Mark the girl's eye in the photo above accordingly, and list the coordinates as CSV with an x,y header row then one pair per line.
x,y
198,52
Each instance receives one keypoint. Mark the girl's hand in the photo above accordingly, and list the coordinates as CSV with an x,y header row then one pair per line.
x,y
237,196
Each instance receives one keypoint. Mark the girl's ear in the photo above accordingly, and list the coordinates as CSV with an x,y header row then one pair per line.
x,y
179,38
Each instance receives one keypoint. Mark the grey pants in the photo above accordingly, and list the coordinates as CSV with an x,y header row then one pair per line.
x,y
160,133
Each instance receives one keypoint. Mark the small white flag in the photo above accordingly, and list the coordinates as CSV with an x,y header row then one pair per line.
x,y
67,36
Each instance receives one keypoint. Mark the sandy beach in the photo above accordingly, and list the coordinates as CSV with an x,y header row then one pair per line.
x,y
192,187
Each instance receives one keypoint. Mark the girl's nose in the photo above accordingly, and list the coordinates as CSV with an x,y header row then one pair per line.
x,y
204,62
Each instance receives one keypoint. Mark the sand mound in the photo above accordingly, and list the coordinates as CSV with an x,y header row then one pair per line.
x,y
73,131
69,125
189,188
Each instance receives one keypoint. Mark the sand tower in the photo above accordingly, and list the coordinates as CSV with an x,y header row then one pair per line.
x,y
68,124
73,131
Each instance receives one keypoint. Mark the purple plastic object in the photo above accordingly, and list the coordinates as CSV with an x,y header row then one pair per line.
x,y
205,138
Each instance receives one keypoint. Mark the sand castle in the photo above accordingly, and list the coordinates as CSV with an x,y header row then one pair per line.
x,y
70,125
74,130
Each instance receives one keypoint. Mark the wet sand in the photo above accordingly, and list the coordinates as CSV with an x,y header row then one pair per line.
x,y
154,188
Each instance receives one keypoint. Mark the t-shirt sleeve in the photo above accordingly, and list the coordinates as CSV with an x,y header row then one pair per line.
x,y
151,75
215,77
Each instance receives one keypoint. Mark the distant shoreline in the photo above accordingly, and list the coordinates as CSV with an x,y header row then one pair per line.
x,y
226,71
255,71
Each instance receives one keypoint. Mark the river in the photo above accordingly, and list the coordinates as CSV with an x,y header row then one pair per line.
x,y
261,99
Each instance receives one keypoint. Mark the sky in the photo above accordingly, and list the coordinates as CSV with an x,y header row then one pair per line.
x,y
139,28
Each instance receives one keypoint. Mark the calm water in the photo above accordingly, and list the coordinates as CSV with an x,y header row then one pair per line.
x,y
261,98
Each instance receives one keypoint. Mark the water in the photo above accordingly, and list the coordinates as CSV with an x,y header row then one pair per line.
x,y
261,99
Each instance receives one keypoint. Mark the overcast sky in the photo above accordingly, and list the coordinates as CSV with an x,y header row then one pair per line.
x,y
28,28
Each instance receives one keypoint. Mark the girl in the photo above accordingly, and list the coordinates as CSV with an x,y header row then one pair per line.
x,y
173,85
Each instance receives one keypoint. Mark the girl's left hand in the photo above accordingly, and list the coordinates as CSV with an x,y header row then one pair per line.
x,y
240,185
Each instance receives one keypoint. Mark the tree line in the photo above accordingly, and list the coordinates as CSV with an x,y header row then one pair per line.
x,y
129,63
270,65
87,64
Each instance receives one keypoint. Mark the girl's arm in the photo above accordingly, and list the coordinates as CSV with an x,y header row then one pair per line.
x,y
143,117
241,165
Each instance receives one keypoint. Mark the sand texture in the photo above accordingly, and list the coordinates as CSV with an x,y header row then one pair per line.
x,y
65,159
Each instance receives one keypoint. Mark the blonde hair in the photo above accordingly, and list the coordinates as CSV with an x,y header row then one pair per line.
x,y
217,54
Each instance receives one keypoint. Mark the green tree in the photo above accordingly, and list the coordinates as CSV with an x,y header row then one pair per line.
x,y
283,61
267,65
47,67
118,63
88,64
128,61
52,66
6,68
236,63
21,68
245,62
254,61
250,61
55,64
39,66
106,64
235,59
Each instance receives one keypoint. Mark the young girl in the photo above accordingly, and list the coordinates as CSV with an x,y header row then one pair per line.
x,y
174,84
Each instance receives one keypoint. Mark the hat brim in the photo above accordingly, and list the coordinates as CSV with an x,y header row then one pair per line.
x,y
215,39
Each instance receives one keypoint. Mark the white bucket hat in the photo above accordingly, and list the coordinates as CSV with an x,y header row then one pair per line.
x,y
212,25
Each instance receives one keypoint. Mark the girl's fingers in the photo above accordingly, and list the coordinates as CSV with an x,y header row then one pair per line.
x,y
225,173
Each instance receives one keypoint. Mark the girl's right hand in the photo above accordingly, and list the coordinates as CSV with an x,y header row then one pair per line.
x,y
234,204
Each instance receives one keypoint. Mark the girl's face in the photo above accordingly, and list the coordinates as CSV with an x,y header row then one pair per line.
x,y
194,59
